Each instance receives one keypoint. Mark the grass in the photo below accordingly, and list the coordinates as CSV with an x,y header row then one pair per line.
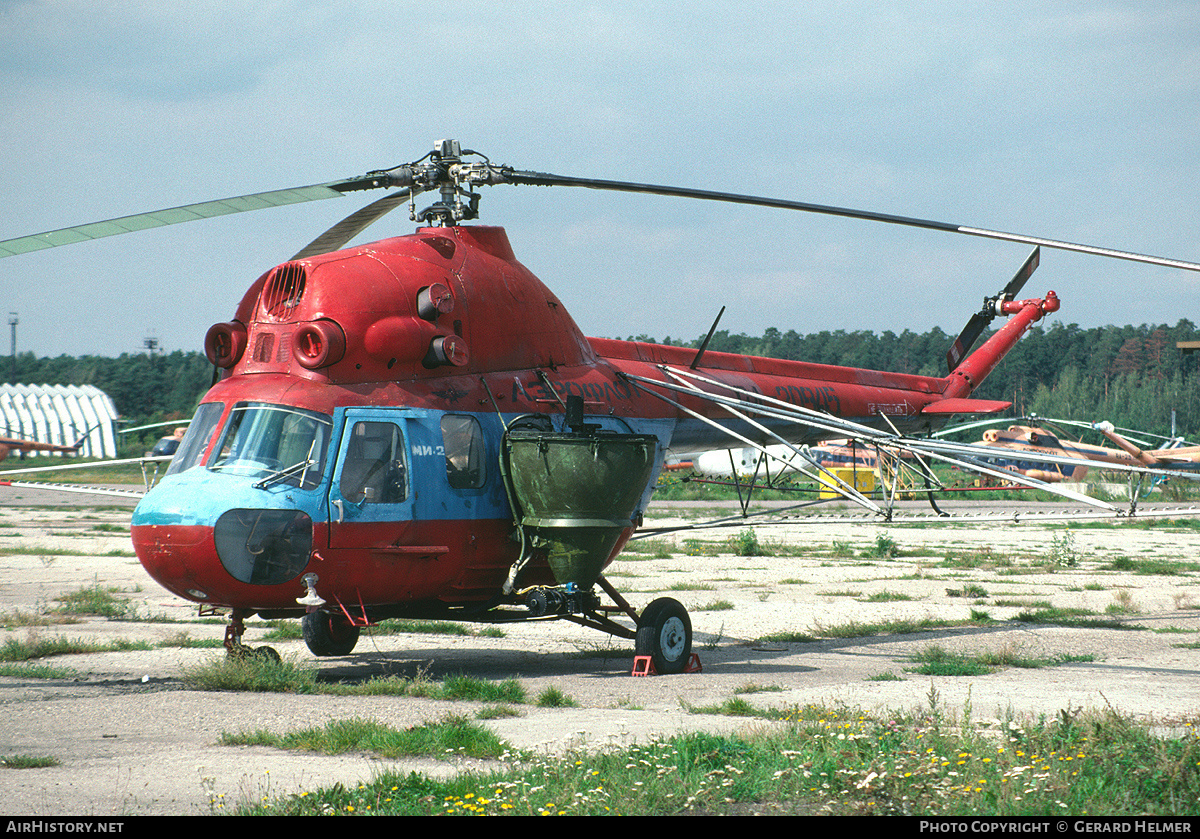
x,y
655,548
1071,617
36,671
936,661
35,646
715,606
886,597
481,690
970,590
1152,567
17,617
813,760
752,687
856,629
94,600
552,697
733,707
453,736
29,761
263,675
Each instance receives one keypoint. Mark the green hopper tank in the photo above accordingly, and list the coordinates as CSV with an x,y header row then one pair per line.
x,y
577,493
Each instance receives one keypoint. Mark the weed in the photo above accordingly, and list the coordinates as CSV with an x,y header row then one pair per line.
x,y
184,640
1122,603
841,549
746,544
655,548
1152,567
885,547
1063,550
552,697
36,646
715,606
971,590
789,638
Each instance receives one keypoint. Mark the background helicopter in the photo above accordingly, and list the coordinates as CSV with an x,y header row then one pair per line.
x,y
8,445
1028,441
417,427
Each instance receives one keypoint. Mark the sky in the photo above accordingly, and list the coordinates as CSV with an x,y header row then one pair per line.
x,y
1077,121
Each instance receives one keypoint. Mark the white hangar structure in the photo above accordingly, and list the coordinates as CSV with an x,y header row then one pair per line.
x,y
60,414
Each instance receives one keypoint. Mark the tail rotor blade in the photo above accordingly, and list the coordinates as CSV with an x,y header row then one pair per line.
x,y
980,320
1022,276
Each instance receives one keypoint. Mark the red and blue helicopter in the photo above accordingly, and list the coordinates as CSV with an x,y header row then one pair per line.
x,y
416,427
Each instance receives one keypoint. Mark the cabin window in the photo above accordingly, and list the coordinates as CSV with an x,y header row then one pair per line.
x,y
462,438
195,441
274,442
375,470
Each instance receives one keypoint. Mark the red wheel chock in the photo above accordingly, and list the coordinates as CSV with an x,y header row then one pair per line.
x,y
643,665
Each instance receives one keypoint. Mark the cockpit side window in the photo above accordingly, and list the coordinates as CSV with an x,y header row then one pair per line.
x,y
196,440
462,438
375,470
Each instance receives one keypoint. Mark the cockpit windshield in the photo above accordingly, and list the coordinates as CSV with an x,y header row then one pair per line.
x,y
276,443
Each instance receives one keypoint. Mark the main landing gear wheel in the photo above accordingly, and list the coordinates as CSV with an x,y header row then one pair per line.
x,y
665,634
328,634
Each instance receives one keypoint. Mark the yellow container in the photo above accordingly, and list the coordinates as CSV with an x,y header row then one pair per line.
x,y
862,480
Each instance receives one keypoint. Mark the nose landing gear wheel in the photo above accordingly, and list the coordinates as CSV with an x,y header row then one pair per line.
x,y
328,634
665,634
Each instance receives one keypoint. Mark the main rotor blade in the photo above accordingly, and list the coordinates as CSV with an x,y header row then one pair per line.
x,y
188,212
349,227
546,179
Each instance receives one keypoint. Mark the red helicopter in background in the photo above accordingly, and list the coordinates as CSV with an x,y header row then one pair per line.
x,y
8,445
416,427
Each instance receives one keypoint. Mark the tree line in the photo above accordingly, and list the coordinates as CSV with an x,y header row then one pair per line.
x,y
144,388
1132,376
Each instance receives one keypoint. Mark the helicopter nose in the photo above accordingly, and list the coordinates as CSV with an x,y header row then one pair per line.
x,y
221,556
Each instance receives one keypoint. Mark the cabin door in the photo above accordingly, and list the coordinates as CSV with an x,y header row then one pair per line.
x,y
371,497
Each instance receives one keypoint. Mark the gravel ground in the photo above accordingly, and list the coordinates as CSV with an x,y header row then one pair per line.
x,y
132,740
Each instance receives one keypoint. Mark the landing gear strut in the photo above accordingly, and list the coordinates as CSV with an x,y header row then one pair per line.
x,y
234,648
